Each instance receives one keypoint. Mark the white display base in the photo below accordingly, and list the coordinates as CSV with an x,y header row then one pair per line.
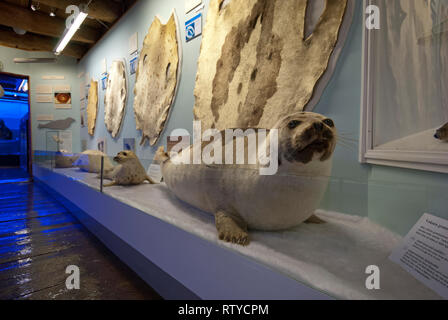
x,y
301,263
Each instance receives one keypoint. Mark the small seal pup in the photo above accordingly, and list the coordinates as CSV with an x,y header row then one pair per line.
x,y
241,198
442,133
63,159
129,171
90,161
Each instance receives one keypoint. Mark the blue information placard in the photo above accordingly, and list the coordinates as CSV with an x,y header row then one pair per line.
x,y
193,27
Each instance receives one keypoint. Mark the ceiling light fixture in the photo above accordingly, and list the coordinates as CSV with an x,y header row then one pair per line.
x,y
52,14
35,7
69,33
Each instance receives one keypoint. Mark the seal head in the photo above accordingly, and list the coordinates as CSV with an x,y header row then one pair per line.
x,y
124,156
442,133
306,136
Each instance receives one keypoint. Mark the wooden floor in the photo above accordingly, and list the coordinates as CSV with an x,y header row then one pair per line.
x,y
13,174
39,238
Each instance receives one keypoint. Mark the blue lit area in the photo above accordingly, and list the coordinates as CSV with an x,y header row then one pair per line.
x,y
14,118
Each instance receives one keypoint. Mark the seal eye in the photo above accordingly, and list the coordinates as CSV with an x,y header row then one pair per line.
x,y
329,123
294,124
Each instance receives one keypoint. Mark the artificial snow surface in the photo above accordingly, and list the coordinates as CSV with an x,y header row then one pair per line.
x,y
330,257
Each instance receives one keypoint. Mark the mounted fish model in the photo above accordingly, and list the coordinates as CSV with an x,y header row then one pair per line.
x,y
157,78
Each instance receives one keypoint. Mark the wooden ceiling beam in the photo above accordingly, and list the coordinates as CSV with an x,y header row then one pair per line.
x,y
104,10
36,22
32,42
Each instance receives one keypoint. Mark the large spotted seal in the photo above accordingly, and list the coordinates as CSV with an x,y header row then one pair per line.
x,y
241,198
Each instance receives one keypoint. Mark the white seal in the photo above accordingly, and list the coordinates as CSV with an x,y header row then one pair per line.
x,y
241,198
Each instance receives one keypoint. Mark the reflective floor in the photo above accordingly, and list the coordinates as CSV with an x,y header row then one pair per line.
x,y
14,174
38,240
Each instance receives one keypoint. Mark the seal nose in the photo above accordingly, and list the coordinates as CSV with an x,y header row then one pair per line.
x,y
436,136
318,126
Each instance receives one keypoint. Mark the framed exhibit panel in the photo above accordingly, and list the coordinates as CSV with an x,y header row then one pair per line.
x,y
405,81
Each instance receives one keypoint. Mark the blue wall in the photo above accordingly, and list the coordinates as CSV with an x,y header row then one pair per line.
x,y
115,46
66,67
347,191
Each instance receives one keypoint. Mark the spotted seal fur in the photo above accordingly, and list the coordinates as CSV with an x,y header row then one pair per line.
x,y
129,171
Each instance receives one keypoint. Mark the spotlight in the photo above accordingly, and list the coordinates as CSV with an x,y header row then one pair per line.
x,y
35,7
52,14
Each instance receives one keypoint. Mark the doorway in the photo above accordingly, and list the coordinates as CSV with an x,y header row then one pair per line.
x,y
15,128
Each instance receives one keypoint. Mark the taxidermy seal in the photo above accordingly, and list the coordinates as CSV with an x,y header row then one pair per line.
x,y
90,161
129,171
58,124
63,159
241,198
442,133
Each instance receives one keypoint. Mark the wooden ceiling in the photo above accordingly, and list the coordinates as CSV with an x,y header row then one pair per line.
x,y
43,31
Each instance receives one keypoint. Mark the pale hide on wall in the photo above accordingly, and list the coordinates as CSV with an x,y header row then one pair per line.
x,y
92,106
115,97
257,65
157,78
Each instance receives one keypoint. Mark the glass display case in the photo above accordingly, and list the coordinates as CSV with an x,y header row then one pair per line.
x,y
343,213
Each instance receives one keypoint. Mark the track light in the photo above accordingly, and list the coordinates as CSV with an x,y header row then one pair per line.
x,y
69,33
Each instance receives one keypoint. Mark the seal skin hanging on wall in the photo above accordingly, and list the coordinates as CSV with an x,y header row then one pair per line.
x,y
256,66
241,198
92,106
115,98
157,78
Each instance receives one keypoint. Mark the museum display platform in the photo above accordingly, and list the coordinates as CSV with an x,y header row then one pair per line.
x,y
174,247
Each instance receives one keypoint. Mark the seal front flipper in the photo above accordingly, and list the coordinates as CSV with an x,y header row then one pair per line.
x,y
315,220
231,228
113,183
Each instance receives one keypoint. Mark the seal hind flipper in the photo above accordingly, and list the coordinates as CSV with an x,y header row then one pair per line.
x,y
231,229
315,220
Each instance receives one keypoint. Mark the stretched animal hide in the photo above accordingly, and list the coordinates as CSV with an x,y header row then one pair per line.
x,y
157,78
92,106
256,65
115,98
